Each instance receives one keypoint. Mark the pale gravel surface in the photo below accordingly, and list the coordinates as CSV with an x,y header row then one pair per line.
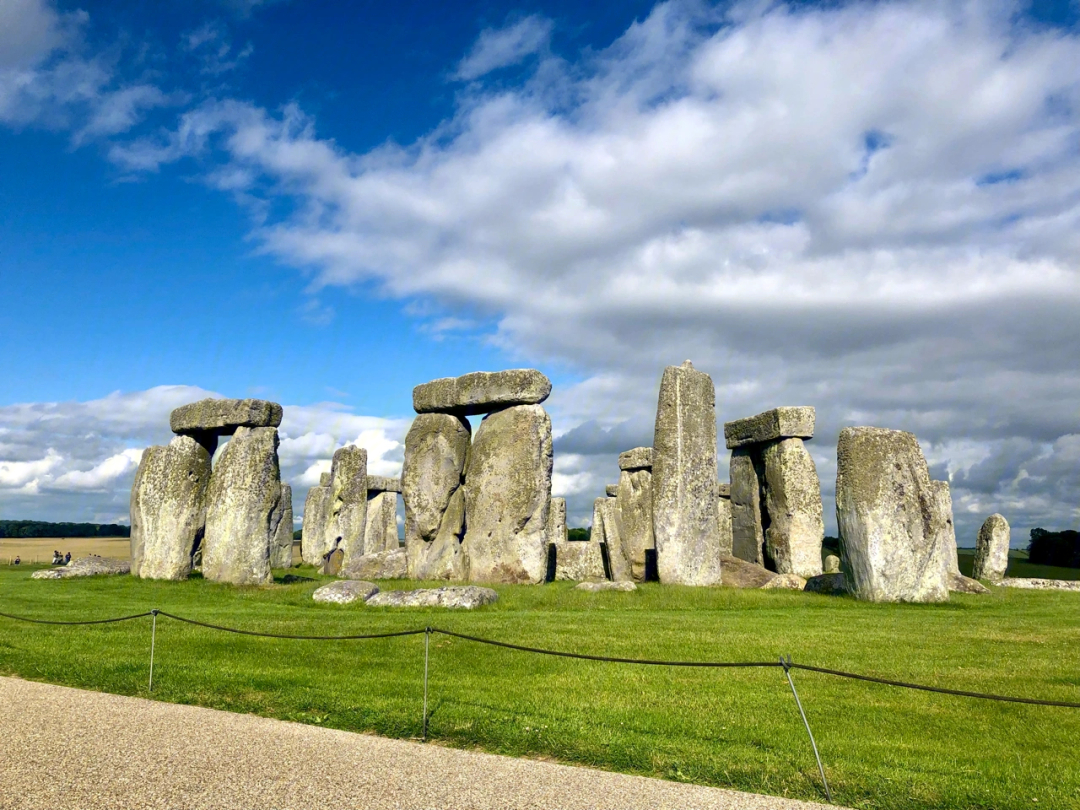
x,y
68,748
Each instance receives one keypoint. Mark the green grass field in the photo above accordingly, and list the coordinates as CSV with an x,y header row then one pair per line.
x,y
882,747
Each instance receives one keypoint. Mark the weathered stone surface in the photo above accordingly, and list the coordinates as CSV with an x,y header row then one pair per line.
x,y
634,518
611,490
747,532
507,497
890,524
243,509
482,392
723,526
793,504
597,587
465,597
345,591
282,545
992,549
1041,584
827,583
381,533
85,567
618,559
723,491
557,532
380,565
381,483
787,582
313,547
943,500
331,566
578,561
640,458
347,516
436,449
779,423
324,479
738,573
832,564
221,417
685,518
958,583
168,508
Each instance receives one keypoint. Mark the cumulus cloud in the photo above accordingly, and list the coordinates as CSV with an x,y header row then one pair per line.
x,y
502,47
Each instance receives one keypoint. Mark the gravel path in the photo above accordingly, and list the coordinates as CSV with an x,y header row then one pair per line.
x,y
67,748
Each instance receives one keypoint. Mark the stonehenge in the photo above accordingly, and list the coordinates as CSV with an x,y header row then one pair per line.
x,y
381,532
992,550
574,560
633,510
346,519
281,550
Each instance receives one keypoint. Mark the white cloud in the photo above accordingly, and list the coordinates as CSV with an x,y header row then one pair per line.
x,y
19,474
102,475
502,47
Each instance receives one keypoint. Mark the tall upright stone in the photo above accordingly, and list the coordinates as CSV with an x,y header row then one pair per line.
x,y
168,509
381,532
633,511
943,499
347,516
685,511
432,478
793,503
557,532
244,509
992,549
747,531
606,529
281,549
507,496
890,524
723,522
313,545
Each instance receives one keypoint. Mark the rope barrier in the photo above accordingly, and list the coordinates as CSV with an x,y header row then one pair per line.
x,y
92,621
280,635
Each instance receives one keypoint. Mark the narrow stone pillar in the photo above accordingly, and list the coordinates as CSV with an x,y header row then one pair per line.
x,y
747,533
557,521
281,549
347,515
793,504
313,548
992,550
605,511
943,499
723,523
633,514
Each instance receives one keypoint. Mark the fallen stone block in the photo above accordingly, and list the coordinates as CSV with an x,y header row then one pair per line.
x,y
221,417
640,458
738,573
482,392
958,583
576,561
827,583
597,587
1034,583
345,591
788,582
778,423
381,565
466,597
85,567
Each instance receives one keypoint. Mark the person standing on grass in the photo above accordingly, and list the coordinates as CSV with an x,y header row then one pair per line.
x,y
17,561
67,558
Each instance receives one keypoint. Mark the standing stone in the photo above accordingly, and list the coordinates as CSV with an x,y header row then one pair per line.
x,y
557,521
685,512
243,509
605,511
890,526
793,504
436,449
747,532
381,533
943,499
575,561
281,550
324,479
992,550
723,520
347,520
313,547
482,392
507,496
168,509
634,518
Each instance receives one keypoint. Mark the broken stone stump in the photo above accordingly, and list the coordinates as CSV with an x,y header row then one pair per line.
x,y
723,520
313,548
281,548
347,516
243,509
890,523
507,496
739,573
793,505
992,550
634,518
685,513
168,509
380,565
482,392
432,478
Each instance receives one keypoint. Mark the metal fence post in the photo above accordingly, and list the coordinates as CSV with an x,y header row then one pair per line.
x,y
787,671
153,638
427,641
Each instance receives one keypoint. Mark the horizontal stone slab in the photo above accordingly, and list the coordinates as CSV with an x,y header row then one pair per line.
x,y
1034,583
221,417
482,392
382,483
85,567
612,490
779,423
467,597
597,587
640,458
724,491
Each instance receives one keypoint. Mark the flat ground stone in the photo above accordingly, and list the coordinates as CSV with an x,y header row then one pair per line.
x,y
313,548
788,582
747,531
958,583
827,583
597,587
345,591
1034,583
640,458
684,478
890,524
381,533
482,392
466,597
779,423
381,565
282,545
943,499
85,567
634,518
382,483
793,504
221,417
347,518
738,573
992,550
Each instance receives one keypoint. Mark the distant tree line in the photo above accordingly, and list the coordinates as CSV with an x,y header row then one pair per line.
x,y
1055,548
42,528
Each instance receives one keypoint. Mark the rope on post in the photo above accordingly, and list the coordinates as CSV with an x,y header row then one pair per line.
x,y
153,638
427,641
787,671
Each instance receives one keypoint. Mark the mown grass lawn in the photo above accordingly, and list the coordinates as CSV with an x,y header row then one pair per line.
x,y
882,747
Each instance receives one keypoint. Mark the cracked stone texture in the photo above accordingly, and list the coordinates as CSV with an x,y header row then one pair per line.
x,y
436,450
381,532
943,499
793,504
778,423
684,478
313,546
992,550
380,565
723,524
640,458
221,417
345,592
347,514
747,532
168,508
282,545
634,518
890,522
482,392
465,597
243,509
382,483
507,497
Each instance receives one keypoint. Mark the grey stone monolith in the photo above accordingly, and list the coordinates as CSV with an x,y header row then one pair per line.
x,y
634,518
436,449
685,513
747,532
890,524
281,548
557,532
221,417
723,522
576,561
168,509
243,509
793,504
618,560
778,423
992,550
482,392
943,500
381,532
313,545
347,517
507,496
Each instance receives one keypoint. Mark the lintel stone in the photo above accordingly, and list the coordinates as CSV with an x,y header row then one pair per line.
x,y
640,458
780,423
482,392
221,417
382,483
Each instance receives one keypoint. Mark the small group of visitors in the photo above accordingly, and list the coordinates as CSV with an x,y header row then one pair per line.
x,y
58,558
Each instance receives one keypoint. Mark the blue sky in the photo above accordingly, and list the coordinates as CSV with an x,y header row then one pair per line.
x,y
870,207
